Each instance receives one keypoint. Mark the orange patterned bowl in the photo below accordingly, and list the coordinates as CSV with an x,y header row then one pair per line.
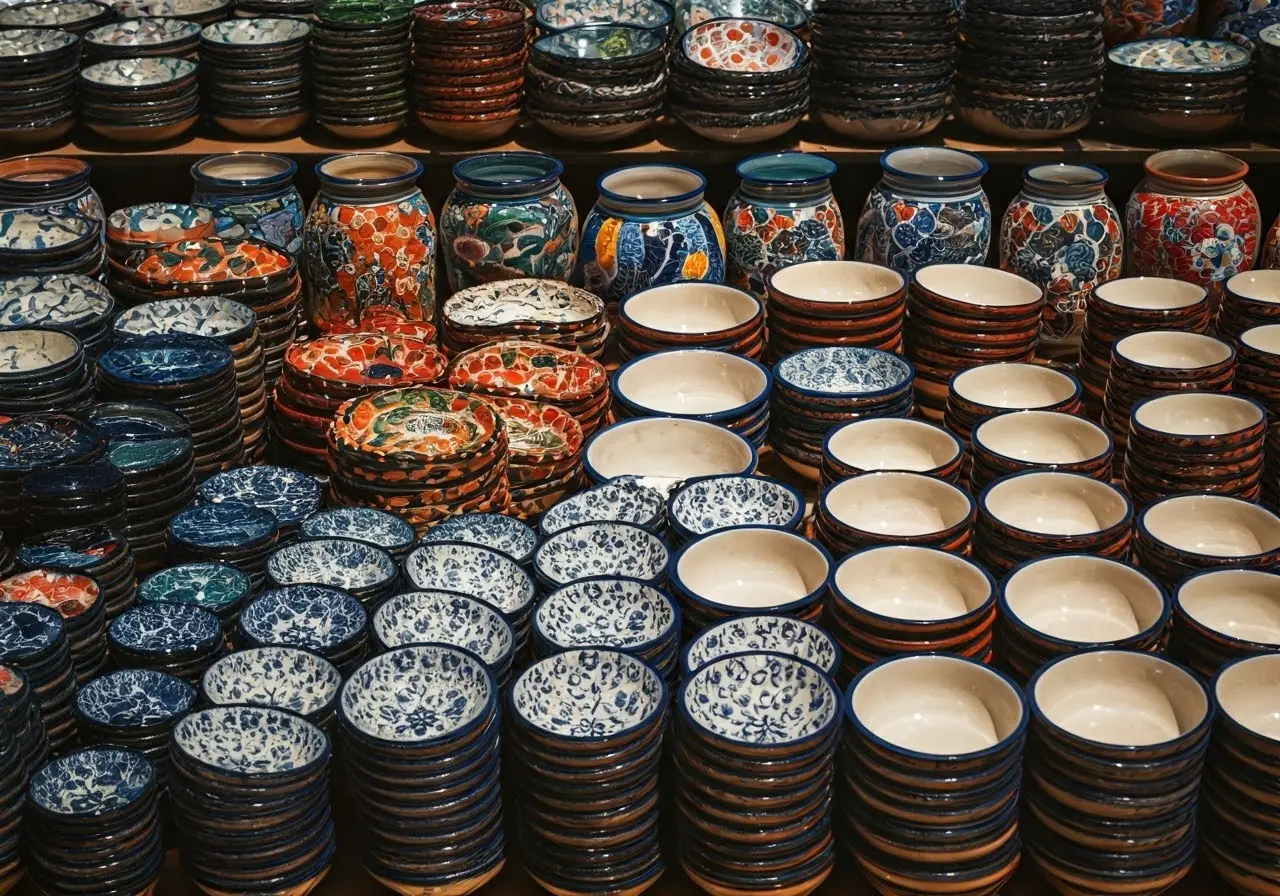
x,y
349,365
522,369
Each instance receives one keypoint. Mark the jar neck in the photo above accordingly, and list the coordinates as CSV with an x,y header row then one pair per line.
x,y
930,187
783,194
651,209
238,190
535,190
1179,187
367,194
1063,193
35,192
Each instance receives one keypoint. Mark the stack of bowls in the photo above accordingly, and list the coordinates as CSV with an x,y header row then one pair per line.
x,y
748,570
1112,784
480,573
1177,87
489,530
1257,375
193,375
140,38
817,389
216,587
81,809
388,451
1028,515
149,228
39,68
754,764
63,496
753,634
377,527
180,639
327,621
1033,74
589,550
691,315
1038,440
561,15
961,315
1224,615
1195,442
663,452
202,12
77,16
277,678
420,736
290,495
359,68
37,442
544,454
134,708
546,311
568,759
152,446
97,552
847,303
44,370
78,600
740,80
140,100
71,303
253,74
610,613
1157,362
1249,299
623,500
713,503
984,391
1266,89
229,322
368,573
1054,606
1179,536
930,773
50,240
20,714
901,599
894,507
1133,305
445,617
598,82
226,532
883,73
469,85
13,789
33,640
227,757
891,444
697,384
532,370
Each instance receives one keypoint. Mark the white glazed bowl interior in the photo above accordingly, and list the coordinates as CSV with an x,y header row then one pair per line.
x,y
752,568
1055,503
588,694
1247,693
913,583
691,308
893,443
668,449
837,282
975,285
1083,599
897,504
1236,603
1264,338
1042,437
1151,293
1198,414
1013,386
1172,349
1213,525
1260,286
692,382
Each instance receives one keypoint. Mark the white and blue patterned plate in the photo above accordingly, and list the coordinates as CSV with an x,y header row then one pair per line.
x,y
601,549
707,505
356,566
279,677
445,617
92,782
386,530
230,524
835,371
482,573
134,698
162,628
57,300
588,695
291,495
28,630
314,617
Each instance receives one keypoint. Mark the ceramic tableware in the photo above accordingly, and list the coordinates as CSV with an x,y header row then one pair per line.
x,y
100,553
894,508
747,634
891,443
21,713
33,641
693,314
1251,298
290,495
846,303
600,549
478,572
490,530
624,500
541,310
319,618
135,708
73,303
252,70
1221,616
377,527
230,532
78,599
664,452
286,678
180,639
1184,534
141,100
447,617
36,442
365,571
218,587
1038,440
544,453
375,104
1177,85
703,506
45,54
614,613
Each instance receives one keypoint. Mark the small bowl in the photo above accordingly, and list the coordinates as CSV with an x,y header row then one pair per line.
x,y
892,507
695,313
558,15
750,569
489,530
281,677
1241,691
248,745
1225,614
607,612
622,500
1038,440
478,572
1195,420
134,700
386,530
314,617
898,444
836,289
835,373
1184,534
445,617
356,566
710,504
663,452
589,550
899,589
752,48
93,785
773,634
986,390
692,383
1056,505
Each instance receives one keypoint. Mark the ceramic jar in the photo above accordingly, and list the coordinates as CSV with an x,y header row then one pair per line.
x,y
508,217
1062,232
650,226
57,183
1125,20
782,213
928,208
1193,218
252,196
370,241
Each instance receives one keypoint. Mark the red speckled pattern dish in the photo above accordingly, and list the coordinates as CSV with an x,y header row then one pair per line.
x,y
367,359
68,593
520,369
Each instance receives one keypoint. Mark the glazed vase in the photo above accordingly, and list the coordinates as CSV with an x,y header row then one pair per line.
x,y
1125,20
782,213
58,184
1062,232
370,241
650,226
1193,218
252,196
928,208
508,217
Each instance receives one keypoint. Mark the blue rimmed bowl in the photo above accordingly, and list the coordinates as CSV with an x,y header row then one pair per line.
x,y
180,639
135,708
1181,535
377,527
329,621
228,532
612,613
662,452
367,572
287,678
478,572
559,15
489,530
621,500
600,549
447,617
1224,615
762,632
703,506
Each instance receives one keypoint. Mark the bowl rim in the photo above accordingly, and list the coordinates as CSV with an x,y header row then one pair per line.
x,y
1126,520
1218,633
653,521
503,660
380,553
294,719
837,658
203,693
802,49
1136,426
531,590
193,698
1077,388
1114,57
689,535
1140,525
1107,451
537,555
848,264
969,517
813,596
903,386
524,559
987,603
626,317
134,756
914,422
340,594
595,474
1222,713
729,414
672,630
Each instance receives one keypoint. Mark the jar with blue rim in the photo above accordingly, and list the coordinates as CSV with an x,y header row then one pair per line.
x,y
58,184
782,213
508,217
651,225
252,196
1064,233
928,208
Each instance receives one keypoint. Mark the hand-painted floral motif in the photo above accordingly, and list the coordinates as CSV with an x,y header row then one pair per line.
x,y
761,239
367,359
742,45
1125,20
202,261
432,422
538,433
275,220
907,234
620,256
528,370
486,239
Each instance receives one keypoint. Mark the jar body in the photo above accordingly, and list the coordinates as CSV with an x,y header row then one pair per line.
x,y
767,228
908,229
57,184
624,251
275,215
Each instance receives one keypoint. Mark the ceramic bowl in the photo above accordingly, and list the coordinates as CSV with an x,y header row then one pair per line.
x,y
828,375
181,639
377,527
1222,615
1038,440
703,506
289,494
358,567
663,452
762,51
134,701
242,744
276,677
443,617
607,613
989,389
623,500
477,572
326,620
557,15
1240,691
891,444
490,530
1250,298
750,634
691,383
217,587
894,507
558,698
843,290
678,315
1184,534
600,549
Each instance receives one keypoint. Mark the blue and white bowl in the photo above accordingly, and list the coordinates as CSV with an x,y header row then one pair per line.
x,y
621,500
482,573
136,701
836,374
286,678
180,639
376,527
245,744
708,505
752,634
327,620
490,530
291,495
607,613
92,785
600,549
368,572
446,617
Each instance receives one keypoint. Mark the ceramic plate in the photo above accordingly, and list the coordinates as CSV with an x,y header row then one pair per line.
x,y
561,14
839,370
92,782
213,586
623,500
718,502
31,442
51,14
539,433
489,530
600,42
607,612
164,360
215,317
135,698
27,629
205,260
250,740
1181,55
71,594
176,9
445,617
228,524
289,494
474,571
256,32
25,351
148,72
750,634
166,628
601,549
338,562
159,223
434,423
742,45
763,699
143,33
57,300
70,549
367,359
588,694
386,530
528,370
21,43
280,677
313,617
512,301
35,230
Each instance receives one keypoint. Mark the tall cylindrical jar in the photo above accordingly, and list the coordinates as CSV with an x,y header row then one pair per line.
x,y
508,217
1063,232
370,241
1193,218
252,196
651,225
928,208
782,213
58,183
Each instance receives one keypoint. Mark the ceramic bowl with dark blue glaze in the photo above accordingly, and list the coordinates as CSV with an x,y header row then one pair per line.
x,y
137,701
843,374
478,572
327,620
368,572
621,500
92,785
377,527
703,506
289,494
446,617
181,639
156,362
589,550
775,634
227,524
620,614
490,530
281,677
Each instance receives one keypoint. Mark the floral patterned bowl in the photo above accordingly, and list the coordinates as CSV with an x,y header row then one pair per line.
x,y
281,677
600,549
249,744
760,50
607,612
313,617
366,571
134,700
141,74
259,35
96,784
1181,56
289,494
598,49
710,504
840,374
475,571
622,500
750,634
131,37
446,617
490,530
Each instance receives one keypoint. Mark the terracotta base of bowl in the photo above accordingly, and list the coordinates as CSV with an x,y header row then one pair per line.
x,y
301,889
143,133
756,134
804,888
811,473
457,888
877,130
26,136
560,891
363,131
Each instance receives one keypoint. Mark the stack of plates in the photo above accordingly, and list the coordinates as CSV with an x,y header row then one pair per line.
x,y
34,443
217,587
426,454
321,374
13,788
489,530
544,454
253,74
38,69
1177,87
545,311
369,573
151,445
519,369
78,600
76,16
377,527
202,12
290,495
33,640
140,38
231,323
278,678
227,532
48,241
327,621
360,67
140,100
143,230
180,639
98,552
61,497
41,371
20,717
193,375
71,303
430,617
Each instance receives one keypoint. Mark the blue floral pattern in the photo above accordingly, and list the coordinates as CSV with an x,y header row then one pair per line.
x,y
289,494
718,502
478,572
386,530
490,530
606,612
589,694
843,370
135,698
166,628
420,693
339,562
443,617
601,549
760,698
907,234
250,740
92,781
55,300
777,634
314,617
279,677
623,500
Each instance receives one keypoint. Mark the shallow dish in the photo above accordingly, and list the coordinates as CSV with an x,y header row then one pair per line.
x,y
601,549
751,634
250,743
289,494
623,500
280,677
490,530
313,617
750,46
95,783
844,372
134,699
386,530
354,566
475,571
445,617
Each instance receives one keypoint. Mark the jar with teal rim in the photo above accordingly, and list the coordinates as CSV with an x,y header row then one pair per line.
x,y
782,213
508,217
650,226
252,196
